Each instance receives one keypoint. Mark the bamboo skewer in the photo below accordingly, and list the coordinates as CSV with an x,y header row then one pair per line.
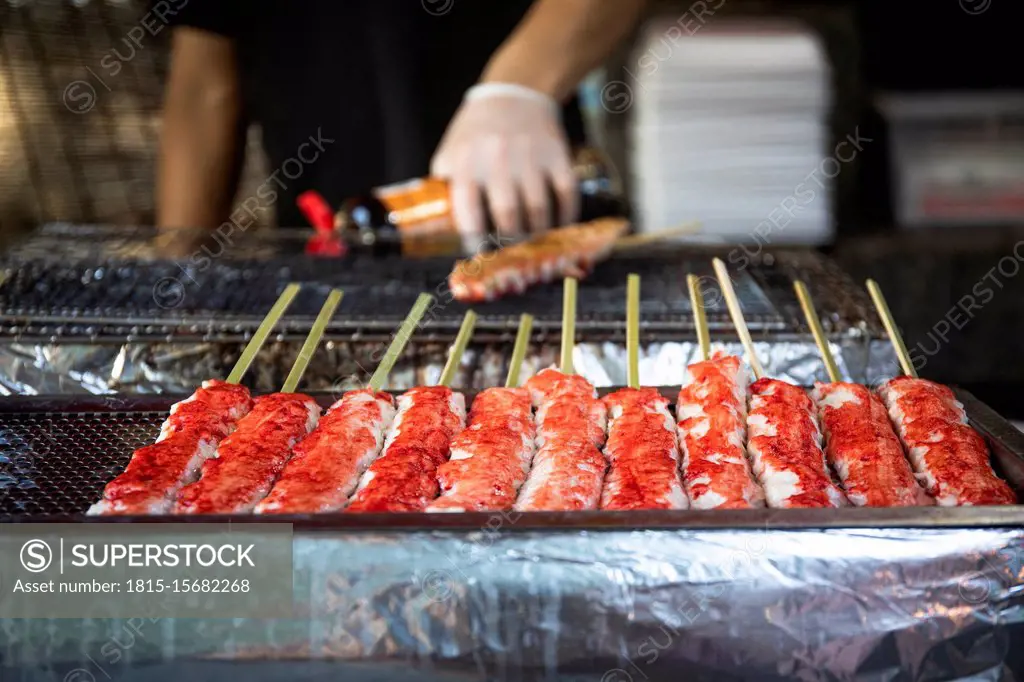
x,y
890,327
633,331
515,364
736,313
451,367
568,323
312,341
635,240
700,318
262,332
394,351
814,322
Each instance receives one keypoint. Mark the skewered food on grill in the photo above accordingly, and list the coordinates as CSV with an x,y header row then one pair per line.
x,y
711,409
643,453
785,445
187,439
404,477
249,460
564,252
863,448
950,458
326,465
491,457
568,469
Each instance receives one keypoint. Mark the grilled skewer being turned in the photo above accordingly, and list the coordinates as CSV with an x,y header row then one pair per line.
x,y
404,477
189,437
248,461
563,252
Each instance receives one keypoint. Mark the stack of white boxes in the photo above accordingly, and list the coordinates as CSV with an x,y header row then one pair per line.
x,y
729,127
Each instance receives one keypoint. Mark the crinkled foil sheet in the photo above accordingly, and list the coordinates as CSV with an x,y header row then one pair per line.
x,y
501,604
178,367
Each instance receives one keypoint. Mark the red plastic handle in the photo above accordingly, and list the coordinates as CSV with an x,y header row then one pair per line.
x,y
316,210
319,214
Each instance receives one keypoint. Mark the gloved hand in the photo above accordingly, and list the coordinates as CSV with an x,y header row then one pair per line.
x,y
506,140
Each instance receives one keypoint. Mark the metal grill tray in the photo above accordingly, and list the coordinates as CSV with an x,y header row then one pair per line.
x,y
100,283
56,454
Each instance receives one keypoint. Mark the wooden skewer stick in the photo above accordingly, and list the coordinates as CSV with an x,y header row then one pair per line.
x,y
890,327
814,322
633,331
312,341
405,332
262,332
736,313
519,351
451,368
700,318
568,323
635,240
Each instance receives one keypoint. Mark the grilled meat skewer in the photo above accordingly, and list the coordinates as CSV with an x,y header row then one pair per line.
x,y
863,449
491,457
950,458
326,465
568,469
643,453
249,460
712,410
563,252
785,444
188,438
404,477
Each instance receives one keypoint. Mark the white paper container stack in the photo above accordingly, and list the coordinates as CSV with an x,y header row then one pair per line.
x,y
729,127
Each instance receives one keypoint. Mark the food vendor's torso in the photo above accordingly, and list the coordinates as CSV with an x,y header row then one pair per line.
x,y
373,82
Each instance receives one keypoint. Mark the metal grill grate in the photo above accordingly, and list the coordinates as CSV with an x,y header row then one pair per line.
x,y
57,453
232,295
58,463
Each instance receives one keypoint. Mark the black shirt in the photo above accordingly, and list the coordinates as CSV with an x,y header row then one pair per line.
x,y
382,78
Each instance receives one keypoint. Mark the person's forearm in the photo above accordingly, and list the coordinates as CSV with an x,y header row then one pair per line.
x,y
200,149
560,42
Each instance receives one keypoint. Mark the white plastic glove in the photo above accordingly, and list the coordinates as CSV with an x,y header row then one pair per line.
x,y
506,140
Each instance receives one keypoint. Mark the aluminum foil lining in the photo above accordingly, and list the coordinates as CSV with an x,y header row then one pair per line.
x,y
339,366
615,606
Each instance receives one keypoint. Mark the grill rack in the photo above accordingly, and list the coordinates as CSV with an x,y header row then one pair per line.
x,y
57,453
102,284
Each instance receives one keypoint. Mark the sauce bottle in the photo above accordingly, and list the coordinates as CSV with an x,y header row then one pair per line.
x,y
414,218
